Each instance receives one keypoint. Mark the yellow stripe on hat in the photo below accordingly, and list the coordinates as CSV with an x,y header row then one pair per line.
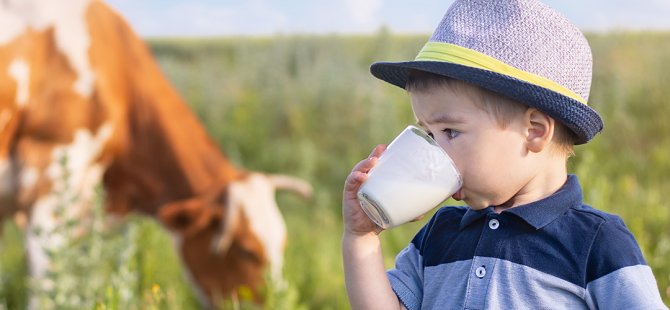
x,y
439,51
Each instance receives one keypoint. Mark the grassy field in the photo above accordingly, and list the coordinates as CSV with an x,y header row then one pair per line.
x,y
308,106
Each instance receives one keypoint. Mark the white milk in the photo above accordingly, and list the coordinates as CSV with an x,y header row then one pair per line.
x,y
412,176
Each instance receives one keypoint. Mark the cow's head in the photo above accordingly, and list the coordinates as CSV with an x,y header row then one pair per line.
x,y
233,232
215,236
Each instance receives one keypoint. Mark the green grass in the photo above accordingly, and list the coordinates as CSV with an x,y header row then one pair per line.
x,y
307,106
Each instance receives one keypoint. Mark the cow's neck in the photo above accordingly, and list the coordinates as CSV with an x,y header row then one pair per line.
x,y
164,154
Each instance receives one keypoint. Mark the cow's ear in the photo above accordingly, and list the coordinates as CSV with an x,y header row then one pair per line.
x,y
178,215
188,216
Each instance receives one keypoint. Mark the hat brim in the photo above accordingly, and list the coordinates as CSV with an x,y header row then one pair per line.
x,y
578,117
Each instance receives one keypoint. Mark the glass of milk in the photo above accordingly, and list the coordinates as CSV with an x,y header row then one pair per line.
x,y
412,177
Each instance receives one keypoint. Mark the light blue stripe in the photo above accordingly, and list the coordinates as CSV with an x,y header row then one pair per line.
x,y
516,286
507,285
504,285
632,287
445,287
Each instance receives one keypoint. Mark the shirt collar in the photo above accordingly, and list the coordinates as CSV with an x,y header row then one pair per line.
x,y
539,213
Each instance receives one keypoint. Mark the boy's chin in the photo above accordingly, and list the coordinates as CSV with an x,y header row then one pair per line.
x,y
476,205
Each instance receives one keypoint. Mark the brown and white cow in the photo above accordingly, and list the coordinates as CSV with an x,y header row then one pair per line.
x,y
82,102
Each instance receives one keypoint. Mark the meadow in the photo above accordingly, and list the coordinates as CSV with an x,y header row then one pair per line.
x,y
307,106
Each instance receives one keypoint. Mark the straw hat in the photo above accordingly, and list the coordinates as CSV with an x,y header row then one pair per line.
x,y
522,49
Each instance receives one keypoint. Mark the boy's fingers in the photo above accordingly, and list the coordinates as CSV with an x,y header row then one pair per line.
x,y
354,180
378,150
358,177
365,165
360,172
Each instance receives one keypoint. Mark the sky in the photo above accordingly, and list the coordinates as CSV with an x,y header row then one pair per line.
x,y
165,18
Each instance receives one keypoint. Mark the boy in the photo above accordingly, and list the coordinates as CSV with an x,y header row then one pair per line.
x,y
502,86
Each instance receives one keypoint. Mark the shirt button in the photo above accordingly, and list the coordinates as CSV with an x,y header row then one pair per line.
x,y
494,224
480,272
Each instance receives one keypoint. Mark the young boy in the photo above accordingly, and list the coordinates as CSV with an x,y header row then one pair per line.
x,y
502,86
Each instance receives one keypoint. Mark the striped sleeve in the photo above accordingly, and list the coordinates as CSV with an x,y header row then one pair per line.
x,y
407,276
617,274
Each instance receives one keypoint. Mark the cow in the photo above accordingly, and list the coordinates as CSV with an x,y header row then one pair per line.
x,y
82,102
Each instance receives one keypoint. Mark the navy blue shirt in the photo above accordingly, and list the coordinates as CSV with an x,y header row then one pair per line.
x,y
552,253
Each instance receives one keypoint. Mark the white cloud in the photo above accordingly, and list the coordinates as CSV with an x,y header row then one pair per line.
x,y
364,12
252,17
201,18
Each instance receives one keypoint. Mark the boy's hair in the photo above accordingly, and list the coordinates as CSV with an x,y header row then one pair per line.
x,y
502,108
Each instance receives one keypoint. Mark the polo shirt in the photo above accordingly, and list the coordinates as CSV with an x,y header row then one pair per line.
x,y
555,253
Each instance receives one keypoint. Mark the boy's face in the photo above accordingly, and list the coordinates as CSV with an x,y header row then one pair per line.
x,y
490,158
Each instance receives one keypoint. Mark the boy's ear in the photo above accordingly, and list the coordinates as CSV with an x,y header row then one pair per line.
x,y
539,129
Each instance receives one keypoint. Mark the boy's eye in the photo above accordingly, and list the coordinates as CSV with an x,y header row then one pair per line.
x,y
451,134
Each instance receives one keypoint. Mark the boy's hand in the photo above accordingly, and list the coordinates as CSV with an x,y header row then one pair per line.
x,y
365,277
356,222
